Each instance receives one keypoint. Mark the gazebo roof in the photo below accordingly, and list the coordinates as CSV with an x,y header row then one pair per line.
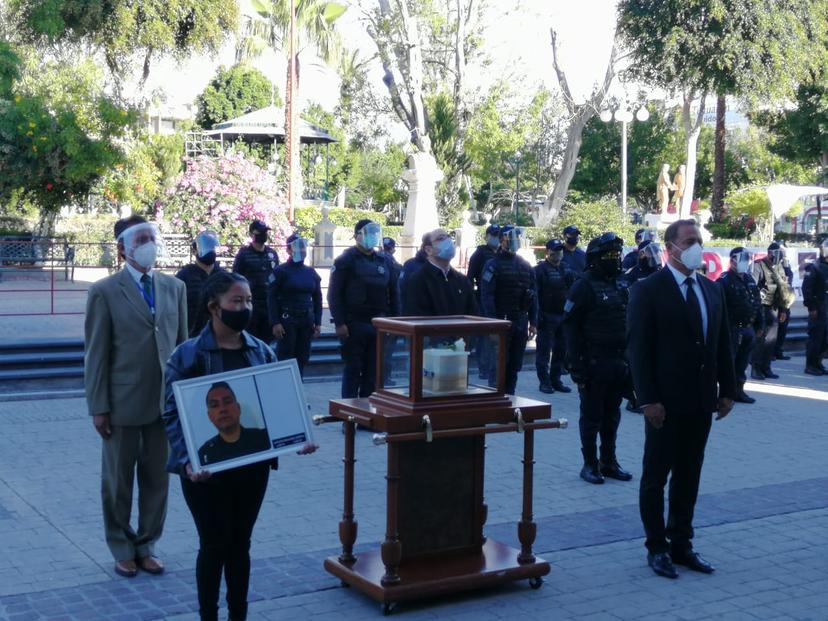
x,y
267,125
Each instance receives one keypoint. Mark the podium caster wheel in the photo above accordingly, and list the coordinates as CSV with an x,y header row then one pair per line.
x,y
536,583
388,608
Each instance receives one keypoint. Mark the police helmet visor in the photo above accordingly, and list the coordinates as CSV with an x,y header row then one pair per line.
x,y
300,244
777,255
206,242
372,228
648,235
653,255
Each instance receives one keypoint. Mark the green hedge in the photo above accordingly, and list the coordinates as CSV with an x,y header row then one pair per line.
x,y
306,218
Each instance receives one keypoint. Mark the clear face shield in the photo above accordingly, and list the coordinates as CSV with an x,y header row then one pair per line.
x,y
512,238
653,256
206,242
555,256
299,249
143,244
648,235
777,256
742,261
369,236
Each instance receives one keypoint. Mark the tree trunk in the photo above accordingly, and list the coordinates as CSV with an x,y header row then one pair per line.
x,y
574,137
717,200
692,129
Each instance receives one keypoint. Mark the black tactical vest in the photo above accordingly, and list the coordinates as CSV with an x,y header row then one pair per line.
x,y
606,322
742,305
553,286
366,293
512,284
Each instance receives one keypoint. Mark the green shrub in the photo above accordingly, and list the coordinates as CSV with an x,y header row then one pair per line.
x,y
306,218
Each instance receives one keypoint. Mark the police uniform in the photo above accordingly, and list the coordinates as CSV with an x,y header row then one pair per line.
x,y
575,260
744,311
553,282
257,266
508,292
481,255
409,268
773,288
595,329
782,331
194,277
815,298
362,286
295,302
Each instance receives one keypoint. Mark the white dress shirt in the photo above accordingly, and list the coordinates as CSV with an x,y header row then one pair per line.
x,y
680,278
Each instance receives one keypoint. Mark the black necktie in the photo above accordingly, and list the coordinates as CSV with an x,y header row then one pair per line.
x,y
146,284
695,308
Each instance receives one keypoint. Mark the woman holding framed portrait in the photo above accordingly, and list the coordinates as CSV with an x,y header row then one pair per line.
x,y
225,504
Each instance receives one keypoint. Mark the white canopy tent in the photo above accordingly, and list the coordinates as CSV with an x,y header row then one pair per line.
x,y
783,196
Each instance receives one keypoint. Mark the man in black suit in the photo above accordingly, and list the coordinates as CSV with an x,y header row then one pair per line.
x,y
679,354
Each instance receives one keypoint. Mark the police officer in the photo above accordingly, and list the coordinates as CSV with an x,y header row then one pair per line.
x,y
553,280
204,246
411,267
594,325
744,311
389,248
508,292
775,293
573,257
481,255
815,298
649,260
256,262
362,286
785,313
631,258
294,301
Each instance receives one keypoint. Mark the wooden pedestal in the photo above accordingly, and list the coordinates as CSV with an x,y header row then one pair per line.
x,y
435,509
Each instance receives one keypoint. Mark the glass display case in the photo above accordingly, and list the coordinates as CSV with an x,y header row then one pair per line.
x,y
432,359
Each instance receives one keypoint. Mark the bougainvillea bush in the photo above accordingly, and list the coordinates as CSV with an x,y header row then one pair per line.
x,y
224,195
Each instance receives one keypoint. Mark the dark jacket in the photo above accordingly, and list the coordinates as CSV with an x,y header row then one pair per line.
x,y
432,293
258,268
574,260
197,357
553,283
477,261
295,291
362,286
668,365
508,288
194,277
409,268
744,304
815,286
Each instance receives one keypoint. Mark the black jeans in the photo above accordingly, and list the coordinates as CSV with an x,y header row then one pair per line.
x,y
359,353
225,508
296,343
766,344
600,407
550,340
677,448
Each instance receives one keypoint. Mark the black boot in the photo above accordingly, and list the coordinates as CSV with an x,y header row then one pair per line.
x,y
560,386
546,387
612,470
590,472
742,396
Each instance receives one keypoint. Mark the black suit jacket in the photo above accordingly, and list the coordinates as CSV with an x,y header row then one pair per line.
x,y
668,364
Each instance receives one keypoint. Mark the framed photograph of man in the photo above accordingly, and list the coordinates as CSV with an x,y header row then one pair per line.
x,y
240,417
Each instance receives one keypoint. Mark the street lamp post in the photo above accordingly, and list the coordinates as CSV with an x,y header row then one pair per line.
x,y
518,155
624,116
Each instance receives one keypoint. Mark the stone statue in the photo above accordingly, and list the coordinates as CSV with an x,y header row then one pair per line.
x,y
663,188
678,187
423,175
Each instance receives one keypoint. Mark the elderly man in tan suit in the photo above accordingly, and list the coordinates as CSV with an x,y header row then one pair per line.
x,y
134,320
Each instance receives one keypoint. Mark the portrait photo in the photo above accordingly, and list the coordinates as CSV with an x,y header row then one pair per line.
x,y
240,417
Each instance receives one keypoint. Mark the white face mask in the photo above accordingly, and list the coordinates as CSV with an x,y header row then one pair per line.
x,y
145,255
693,257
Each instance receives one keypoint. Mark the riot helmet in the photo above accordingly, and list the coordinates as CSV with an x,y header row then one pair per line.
x,y
604,254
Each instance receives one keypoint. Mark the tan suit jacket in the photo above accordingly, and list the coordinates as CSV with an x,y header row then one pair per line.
x,y
127,347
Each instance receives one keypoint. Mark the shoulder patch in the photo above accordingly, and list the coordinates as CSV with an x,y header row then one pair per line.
x,y
569,306
487,275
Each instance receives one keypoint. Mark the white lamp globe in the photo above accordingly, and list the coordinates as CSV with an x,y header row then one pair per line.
x,y
643,114
623,116
605,116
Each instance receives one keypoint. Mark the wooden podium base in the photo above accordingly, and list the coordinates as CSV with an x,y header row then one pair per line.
x,y
495,564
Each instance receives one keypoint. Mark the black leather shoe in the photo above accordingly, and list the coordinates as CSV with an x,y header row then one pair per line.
x,y
694,561
561,387
590,474
662,565
781,356
613,471
744,398
546,388
757,375
770,375
814,371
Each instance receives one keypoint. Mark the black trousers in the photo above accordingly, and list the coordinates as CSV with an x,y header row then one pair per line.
x,y
781,334
260,325
765,345
677,449
296,343
515,349
601,407
550,341
359,353
225,508
742,339
817,336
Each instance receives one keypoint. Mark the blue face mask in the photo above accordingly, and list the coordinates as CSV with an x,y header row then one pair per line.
x,y
298,256
445,249
492,241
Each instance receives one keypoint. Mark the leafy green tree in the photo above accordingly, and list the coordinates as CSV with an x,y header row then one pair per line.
x,y
752,48
233,92
127,33
59,132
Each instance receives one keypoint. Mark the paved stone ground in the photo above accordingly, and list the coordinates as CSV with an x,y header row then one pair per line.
x,y
762,520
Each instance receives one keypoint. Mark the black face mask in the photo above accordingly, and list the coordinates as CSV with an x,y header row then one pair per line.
x,y
260,238
236,320
572,241
609,267
208,259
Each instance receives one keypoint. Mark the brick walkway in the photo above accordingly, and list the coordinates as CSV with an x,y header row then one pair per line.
x,y
762,519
